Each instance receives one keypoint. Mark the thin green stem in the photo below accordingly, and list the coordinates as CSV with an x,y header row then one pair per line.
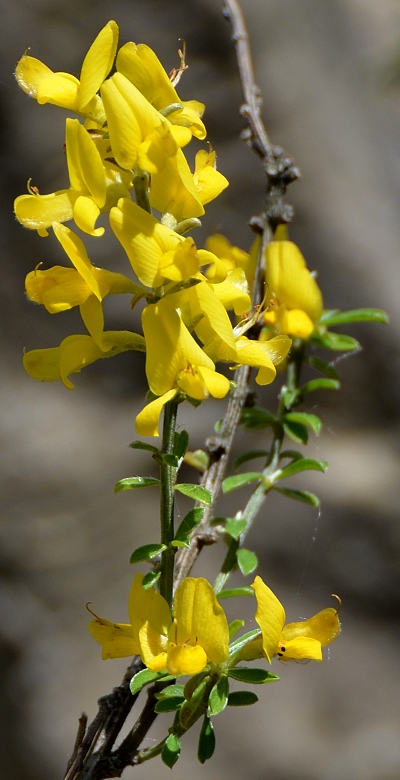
x,y
257,499
168,478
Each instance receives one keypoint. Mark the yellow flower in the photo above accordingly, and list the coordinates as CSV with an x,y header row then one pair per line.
x,y
295,641
297,298
95,186
228,258
264,355
197,634
208,181
75,352
142,67
63,89
174,361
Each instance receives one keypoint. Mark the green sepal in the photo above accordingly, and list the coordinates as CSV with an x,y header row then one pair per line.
x,y
297,431
242,698
251,455
239,643
235,626
320,384
336,317
189,523
240,480
170,704
197,492
147,552
171,750
338,342
311,420
131,483
181,443
218,698
150,579
302,464
256,417
251,675
299,495
195,686
230,592
141,445
170,690
206,741
235,527
144,677
247,561
321,365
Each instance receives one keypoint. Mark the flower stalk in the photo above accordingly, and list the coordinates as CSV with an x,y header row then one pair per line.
x,y
167,500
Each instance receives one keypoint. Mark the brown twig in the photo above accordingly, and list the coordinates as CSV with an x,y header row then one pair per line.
x,y
93,757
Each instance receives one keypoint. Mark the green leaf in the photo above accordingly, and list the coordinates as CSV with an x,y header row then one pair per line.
x,y
235,527
336,317
197,492
171,750
189,523
218,698
297,431
256,417
311,420
303,464
250,675
147,552
170,704
171,690
239,643
131,483
140,445
234,627
144,678
300,495
168,459
293,454
206,741
181,543
181,443
336,341
150,579
247,561
242,698
320,384
229,592
195,686
290,398
240,480
321,365
198,459
251,455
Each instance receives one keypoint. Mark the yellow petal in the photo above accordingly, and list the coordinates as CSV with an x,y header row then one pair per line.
x,y
148,419
152,648
290,280
200,619
173,190
97,63
270,616
217,384
302,648
147,605
143,69
208,181
76,251
299,324
57,288
29,73
116,638
86,213
92,314
324,627
85,166
183,659
60,89
40,211
233,291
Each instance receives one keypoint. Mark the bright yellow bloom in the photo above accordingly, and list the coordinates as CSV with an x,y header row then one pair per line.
x,y
296,296
96,186
197,634
229,257
142,67
156,252
264,355
208,181
174,361
76,352
63,89
295,641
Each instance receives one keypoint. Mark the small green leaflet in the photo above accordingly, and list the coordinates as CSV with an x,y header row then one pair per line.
x,y
229,592
302,464
251,455
336,317
141,445
234,627
218,698
235,527
147,552
171,750
240,480
320,384
131,483
170,704
189,523
150,579
247,561
145,677
197,492
181,443
206,741
297,431
335,341
250,675
256,417
321,365
311,420
299,495
242,698
171,690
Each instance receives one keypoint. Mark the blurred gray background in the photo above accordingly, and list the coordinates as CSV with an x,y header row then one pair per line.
x,y
329,73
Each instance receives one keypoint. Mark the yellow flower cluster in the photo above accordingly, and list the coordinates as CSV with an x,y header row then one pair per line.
x,y
129,138
198,634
